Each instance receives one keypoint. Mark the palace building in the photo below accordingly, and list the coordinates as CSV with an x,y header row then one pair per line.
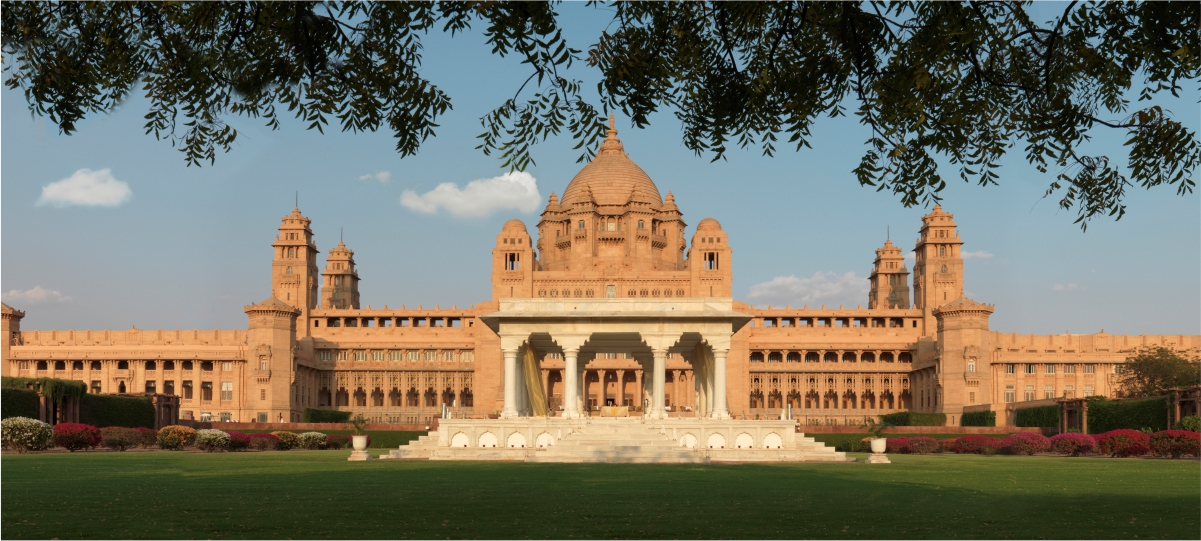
x,y
611,305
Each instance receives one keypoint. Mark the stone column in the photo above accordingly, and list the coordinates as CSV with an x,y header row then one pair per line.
x,y
621,387
659,382
638,387
675,390
510,408
571,384
720,410
602,391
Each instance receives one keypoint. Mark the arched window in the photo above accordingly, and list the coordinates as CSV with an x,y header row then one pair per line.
x,y
291,252
942,251
289,271
944,268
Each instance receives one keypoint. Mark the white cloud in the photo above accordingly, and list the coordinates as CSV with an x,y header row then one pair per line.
x,y
86,188
977,255
517,190
822,288
382,177
912,256
1063,287
36,295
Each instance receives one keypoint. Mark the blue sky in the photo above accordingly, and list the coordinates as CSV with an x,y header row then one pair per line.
x,y
187,247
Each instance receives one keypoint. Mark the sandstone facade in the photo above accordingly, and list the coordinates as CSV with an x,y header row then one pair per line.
x,y
612,245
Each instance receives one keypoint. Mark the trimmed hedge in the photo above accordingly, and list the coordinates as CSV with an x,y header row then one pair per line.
x,y
1041,416
913,418
18,403
854,442
391,439
108,410
979,418
311,415
1105,415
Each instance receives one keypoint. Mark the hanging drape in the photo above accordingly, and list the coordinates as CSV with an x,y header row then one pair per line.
x,y
532,371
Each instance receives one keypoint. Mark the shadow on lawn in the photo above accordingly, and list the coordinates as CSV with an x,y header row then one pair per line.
x,y
319,495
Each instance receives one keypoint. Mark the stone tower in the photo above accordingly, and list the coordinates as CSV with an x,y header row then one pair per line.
x,y
294,269
270,341
889,279
340,287
10,332
964,356
513,262
710,261
938,271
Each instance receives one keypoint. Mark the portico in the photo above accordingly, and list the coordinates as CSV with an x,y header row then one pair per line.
x,y
697,329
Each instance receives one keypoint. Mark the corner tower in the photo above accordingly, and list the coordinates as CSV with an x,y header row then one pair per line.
x,y
294,269
889,279
340,287
938,271
10,327
513,262
709,261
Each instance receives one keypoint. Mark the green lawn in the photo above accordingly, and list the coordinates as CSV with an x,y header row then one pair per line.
x,y
318,494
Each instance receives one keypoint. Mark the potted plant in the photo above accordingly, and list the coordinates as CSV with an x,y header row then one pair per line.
x,y
879,442
359,439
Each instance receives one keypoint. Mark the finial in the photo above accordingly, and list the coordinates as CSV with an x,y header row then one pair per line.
x,y
888,232
340,234
298,199
611,121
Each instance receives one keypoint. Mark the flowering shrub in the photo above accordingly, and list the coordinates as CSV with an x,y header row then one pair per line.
x,y
896,445
1123,442
119,438
211,439
287,440
1074,444
148,437
921,445
238,441
175,437
1175,443
264,442
76,436
1191,423
1025,443
980,445
23,434
337,441
311,440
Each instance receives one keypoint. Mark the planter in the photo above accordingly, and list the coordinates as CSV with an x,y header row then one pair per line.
x,y
878,445
360,442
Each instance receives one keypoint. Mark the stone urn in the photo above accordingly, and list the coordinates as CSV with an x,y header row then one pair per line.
x,y
360,442
879,445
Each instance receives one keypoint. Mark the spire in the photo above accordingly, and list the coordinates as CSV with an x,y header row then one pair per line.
x,y
611,142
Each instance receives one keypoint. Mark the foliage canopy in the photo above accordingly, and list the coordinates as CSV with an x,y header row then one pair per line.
x,y
1150,371
965,81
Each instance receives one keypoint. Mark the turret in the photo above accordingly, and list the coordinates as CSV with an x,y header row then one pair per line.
x,y
270,354
889,279
340,280
10,333
709,261
294,268
513,262
938,271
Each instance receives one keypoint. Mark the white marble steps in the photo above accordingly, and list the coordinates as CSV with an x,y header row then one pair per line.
x,y
628,442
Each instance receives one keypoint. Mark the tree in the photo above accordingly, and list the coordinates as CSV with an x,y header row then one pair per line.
x,y
966,81
1149,371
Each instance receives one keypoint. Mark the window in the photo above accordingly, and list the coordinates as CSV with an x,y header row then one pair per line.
x,y
152,387
95,386
1069,369
227,367
394,356
1009,393
448,356
466,357
1009,368
95,365
206,366
169,388
430,356
1069,391
944,271
187,390
971,366
512,262
1118,369
1050,369
360,355
377,355
325,355
711,261
206,390
942,252
641,224
1088,390
1029,393
1049,391
1030,368
1089,369
227,390
971,397
262,417
226,417
581,225
121,365
288,271
187,365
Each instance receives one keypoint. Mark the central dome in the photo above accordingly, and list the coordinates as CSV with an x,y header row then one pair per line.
x,y
611,178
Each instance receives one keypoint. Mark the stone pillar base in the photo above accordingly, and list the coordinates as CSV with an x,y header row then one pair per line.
x,y
359,456
878,458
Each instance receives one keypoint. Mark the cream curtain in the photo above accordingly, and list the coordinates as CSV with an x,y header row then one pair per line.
x,y
532,371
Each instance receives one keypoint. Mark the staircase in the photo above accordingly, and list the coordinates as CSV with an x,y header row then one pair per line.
x,y
618,440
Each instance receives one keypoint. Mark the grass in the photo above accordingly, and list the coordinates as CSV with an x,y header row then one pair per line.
x,y
318,494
